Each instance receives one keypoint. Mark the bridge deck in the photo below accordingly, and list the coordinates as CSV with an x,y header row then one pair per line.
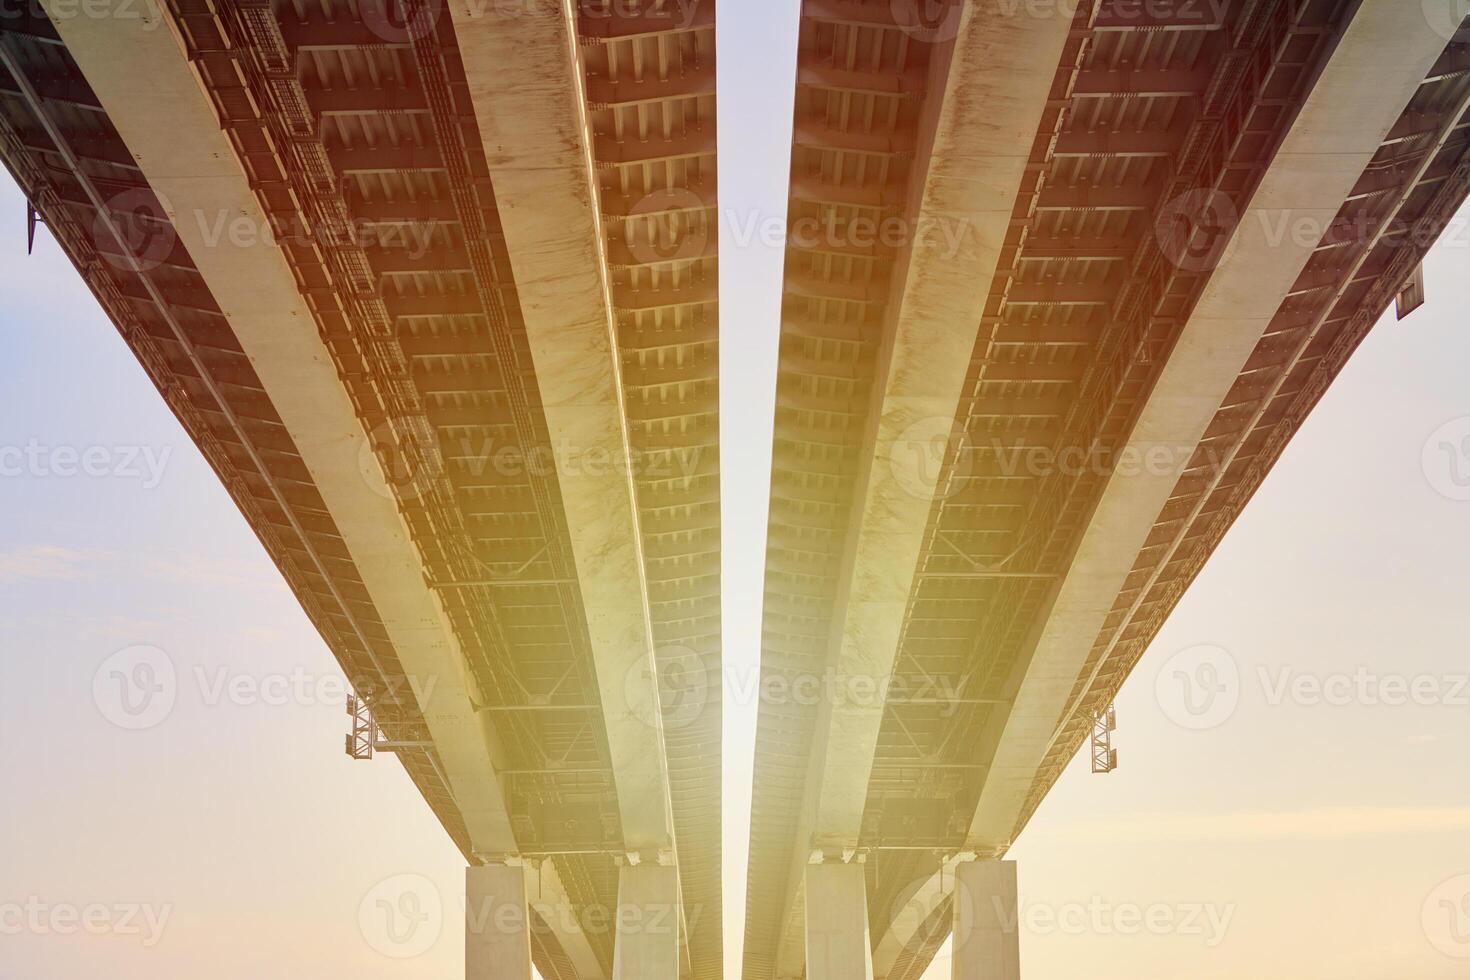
x,y
371,193
1157,117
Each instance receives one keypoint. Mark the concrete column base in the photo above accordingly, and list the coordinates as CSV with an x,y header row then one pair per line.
x,y
987,935
497,935
838,946
647,943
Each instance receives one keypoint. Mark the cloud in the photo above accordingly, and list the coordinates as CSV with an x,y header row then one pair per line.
x,y
216,572
38,563
51,563
125,627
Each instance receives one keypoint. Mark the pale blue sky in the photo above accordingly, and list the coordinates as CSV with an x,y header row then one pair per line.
x,y
1319,832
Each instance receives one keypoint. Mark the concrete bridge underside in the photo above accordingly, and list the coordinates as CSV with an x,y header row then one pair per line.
x,y
460,378
1094,270
365,252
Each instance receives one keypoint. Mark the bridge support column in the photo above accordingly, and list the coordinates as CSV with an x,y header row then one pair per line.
x,y
647,942
987,935
837,943
497,935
